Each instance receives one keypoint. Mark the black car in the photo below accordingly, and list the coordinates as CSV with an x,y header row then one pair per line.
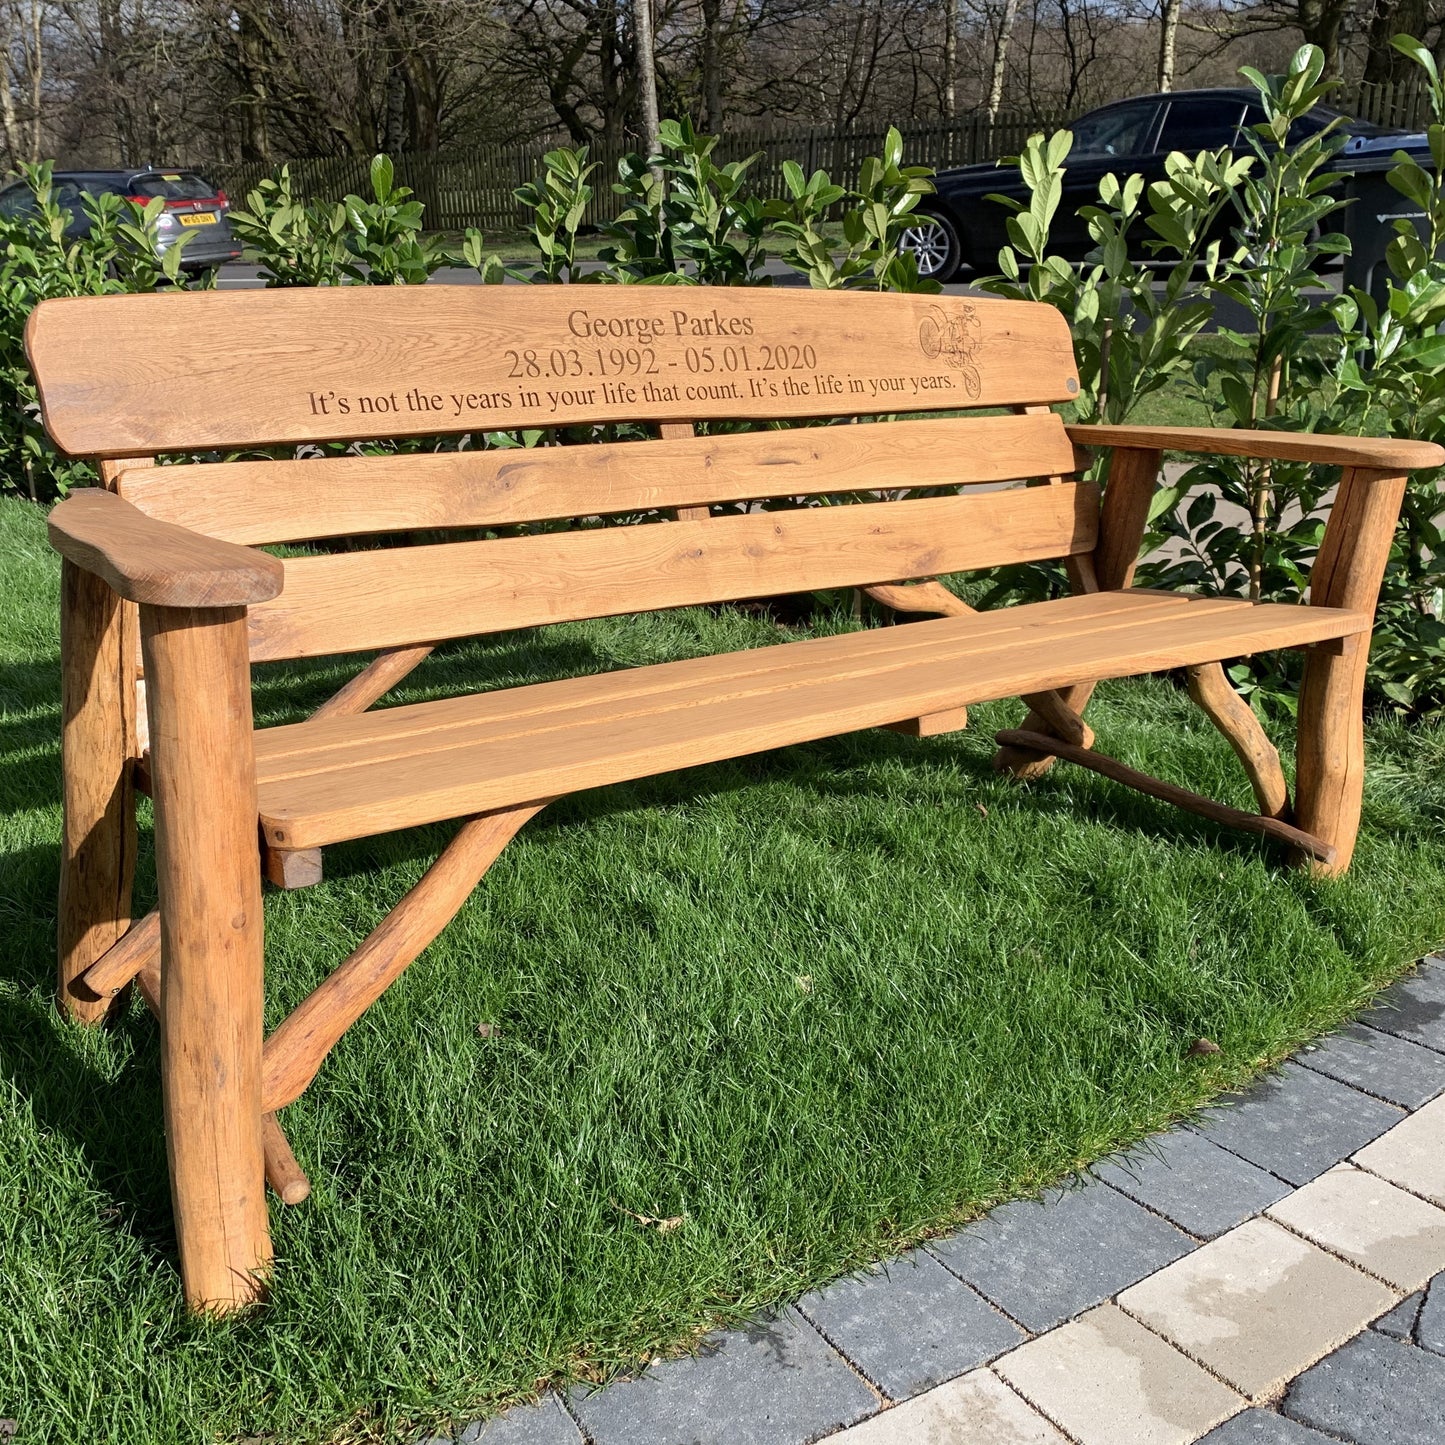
x,y
958,227
193,207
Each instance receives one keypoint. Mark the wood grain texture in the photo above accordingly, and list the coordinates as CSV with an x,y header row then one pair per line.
x,y
398,596
297,1049
952,720
1167,792
670,431
930,597
125,959
97,735
1133,479
351,777
1063,722
1391,453
285,1176
203,777
283,1173
290,868
263,502
1330,745
157,563
124,374
1234,717
374,681
1133,476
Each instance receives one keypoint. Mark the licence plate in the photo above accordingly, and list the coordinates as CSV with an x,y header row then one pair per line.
x,y
199,218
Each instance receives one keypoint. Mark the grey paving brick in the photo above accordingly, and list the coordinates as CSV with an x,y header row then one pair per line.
x,y
1430,1327
910,1325
1399,1323
1379,1063
772,1382
1045,1261
1263,1427
1374,1391
1413,1007
1297,1123
1186,1178
544,1424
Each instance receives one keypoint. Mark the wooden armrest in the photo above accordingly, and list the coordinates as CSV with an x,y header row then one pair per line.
x,y
158,563
1388,454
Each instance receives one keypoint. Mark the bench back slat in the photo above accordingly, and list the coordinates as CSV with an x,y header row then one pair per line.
x,y
397,596
263,502
189,371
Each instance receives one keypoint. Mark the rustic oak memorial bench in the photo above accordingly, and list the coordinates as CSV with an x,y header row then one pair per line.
x,y
167,601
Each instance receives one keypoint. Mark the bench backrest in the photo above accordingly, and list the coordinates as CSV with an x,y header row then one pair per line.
x,y
133,377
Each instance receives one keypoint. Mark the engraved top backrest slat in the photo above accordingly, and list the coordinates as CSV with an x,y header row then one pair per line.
x,y
185,371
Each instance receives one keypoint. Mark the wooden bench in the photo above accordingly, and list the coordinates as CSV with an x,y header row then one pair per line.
x,y
166,603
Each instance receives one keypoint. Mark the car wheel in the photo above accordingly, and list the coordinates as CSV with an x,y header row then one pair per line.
x,y
932,241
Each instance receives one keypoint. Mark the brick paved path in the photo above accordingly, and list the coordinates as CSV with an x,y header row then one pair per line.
x,y
1272,1274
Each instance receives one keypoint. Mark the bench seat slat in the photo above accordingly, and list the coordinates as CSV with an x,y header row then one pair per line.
x,y
393,597
391,770
414,729
290,501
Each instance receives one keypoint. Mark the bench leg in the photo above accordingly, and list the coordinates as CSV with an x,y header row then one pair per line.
x,y
97,848
1030,766
203,773
1330,747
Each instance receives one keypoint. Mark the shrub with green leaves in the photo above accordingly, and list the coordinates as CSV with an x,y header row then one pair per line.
x,y
1305,361
878,211
352,242
1392,375
119,252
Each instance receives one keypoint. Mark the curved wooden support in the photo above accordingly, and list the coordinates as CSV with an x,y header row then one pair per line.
x,y
931,597
1190,802
297,1049
373,682
122,961
1062,720
1212,690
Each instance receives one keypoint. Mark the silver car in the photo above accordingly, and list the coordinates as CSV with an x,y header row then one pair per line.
x,y
192,206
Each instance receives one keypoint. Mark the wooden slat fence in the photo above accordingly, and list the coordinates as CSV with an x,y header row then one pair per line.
x,y
474,187
1404,103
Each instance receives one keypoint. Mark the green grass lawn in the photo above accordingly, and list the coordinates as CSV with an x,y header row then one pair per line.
x,y
819,1004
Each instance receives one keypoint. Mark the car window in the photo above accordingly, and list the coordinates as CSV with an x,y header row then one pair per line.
x,y
1314,121
173,186
19,200
1200,123
1122,130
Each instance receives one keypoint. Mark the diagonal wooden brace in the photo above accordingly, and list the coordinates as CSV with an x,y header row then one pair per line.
x,y
1223,706
297,1049
1191,802
137,949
